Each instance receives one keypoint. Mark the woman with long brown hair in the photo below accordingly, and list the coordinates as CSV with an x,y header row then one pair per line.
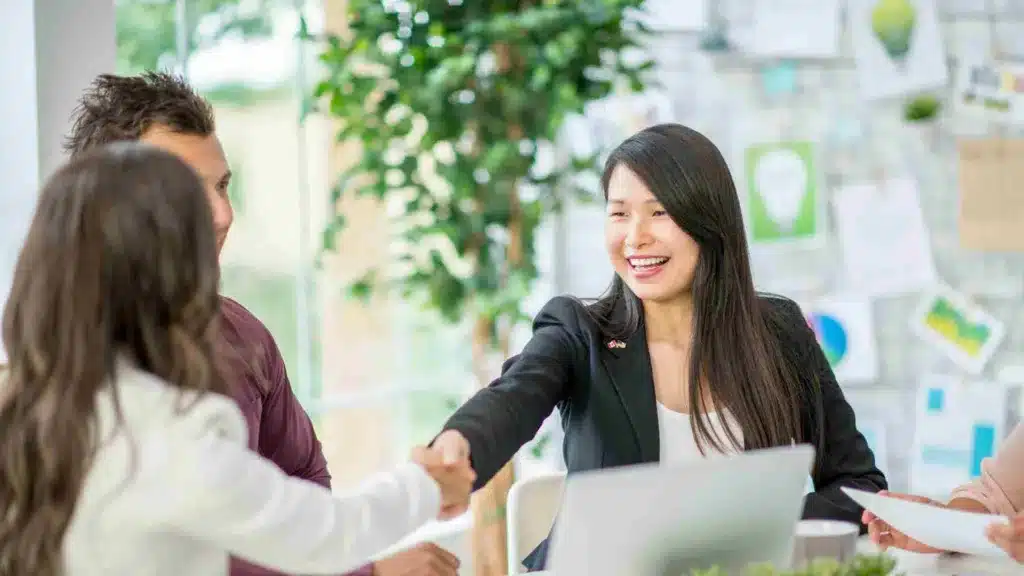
x,y
682,359
120,452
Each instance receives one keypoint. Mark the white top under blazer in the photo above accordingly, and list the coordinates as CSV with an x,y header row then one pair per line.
x,y
678,446
174,491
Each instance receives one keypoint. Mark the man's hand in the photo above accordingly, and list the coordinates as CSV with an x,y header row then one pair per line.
x,y
427,559
1009,537
453,475
885,536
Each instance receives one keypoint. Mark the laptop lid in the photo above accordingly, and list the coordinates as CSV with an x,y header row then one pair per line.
x,y
665,520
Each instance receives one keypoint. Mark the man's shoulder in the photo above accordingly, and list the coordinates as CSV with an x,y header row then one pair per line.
x,y
250,345
241,322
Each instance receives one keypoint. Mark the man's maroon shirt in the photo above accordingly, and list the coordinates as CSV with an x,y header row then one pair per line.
x,y
279,428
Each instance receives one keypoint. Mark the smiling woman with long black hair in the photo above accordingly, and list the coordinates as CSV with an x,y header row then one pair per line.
x,y
681,359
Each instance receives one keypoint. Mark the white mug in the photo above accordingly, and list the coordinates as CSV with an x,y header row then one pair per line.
x,y
824,539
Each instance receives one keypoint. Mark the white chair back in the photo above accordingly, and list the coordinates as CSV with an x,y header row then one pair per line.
x,y
532,504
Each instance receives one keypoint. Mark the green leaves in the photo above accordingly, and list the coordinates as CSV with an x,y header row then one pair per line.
x,y
362,289
453,105
862,565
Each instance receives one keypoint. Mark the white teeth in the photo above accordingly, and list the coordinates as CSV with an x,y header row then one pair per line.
x,y
642,262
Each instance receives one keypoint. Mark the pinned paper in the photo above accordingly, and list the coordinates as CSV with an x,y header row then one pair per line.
x,y
988,90
962,330
775,20
991,204
844,327
958,425
897,45
782,193
674,15
885,246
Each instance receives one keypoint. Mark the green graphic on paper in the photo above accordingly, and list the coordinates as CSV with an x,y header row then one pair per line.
x,y
782,192
892,22
953,325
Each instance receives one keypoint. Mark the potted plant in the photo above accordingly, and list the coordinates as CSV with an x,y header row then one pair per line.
x,y
452,103
862,565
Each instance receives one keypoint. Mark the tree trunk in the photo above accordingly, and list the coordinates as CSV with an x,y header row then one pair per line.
x,y
489,534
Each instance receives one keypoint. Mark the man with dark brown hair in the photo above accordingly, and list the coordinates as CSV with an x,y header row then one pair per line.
x,y
163,110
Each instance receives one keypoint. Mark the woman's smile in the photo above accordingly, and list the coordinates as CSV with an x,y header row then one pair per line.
x,y
644,267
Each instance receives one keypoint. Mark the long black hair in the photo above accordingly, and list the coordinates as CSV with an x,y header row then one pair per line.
x,y
734,354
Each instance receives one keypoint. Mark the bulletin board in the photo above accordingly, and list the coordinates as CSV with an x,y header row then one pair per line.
x,y
938,377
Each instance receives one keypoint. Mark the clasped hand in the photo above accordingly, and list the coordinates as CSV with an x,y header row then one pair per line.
x,y
447,462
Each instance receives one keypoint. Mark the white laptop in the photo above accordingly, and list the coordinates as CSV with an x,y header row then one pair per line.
x,y
665,520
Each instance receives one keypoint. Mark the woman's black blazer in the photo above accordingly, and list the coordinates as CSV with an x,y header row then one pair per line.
x,y
609,413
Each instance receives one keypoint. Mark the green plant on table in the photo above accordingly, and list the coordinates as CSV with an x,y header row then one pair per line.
x,y
862,565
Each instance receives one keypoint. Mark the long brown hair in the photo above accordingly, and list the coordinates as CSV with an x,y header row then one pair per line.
x,y
120,260
734,349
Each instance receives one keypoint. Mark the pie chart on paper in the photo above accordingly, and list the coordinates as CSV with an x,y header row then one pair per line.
x,y
831,336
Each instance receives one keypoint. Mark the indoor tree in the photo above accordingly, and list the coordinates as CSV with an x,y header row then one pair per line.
x,y
456,107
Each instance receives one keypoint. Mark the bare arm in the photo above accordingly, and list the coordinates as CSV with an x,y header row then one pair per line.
x,y
1000,489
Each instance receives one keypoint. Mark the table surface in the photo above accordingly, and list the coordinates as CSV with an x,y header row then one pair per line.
x,y
929,564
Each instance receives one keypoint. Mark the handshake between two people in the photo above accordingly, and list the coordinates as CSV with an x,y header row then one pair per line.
x,y
447,462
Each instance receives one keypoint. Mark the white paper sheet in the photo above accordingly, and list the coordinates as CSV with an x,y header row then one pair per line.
x,y
775,20
885,244
951,530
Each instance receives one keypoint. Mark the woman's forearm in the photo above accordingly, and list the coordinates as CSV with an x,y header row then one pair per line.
x,y
967,505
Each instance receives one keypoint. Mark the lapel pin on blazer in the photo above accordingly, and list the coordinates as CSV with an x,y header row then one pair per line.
x,y
616,344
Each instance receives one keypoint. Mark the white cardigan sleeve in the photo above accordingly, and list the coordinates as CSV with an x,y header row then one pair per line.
x,y
234,499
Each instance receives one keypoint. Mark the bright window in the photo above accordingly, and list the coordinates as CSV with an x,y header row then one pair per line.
x,y
377,379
